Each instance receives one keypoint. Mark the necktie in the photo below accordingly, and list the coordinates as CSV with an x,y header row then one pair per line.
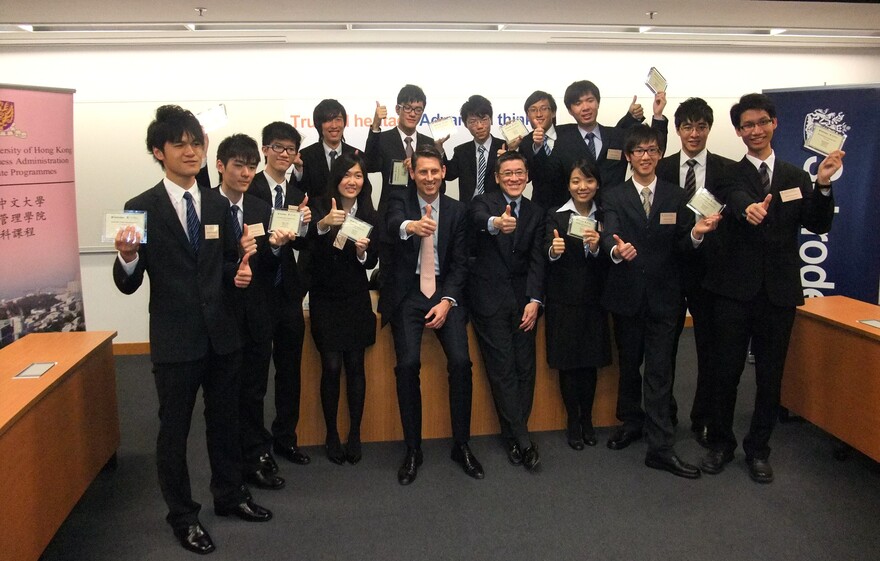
x,y
591,144
646,200
690,179
427,280
333,155
279,198
192,222
236,225
409,148
547,148
513,209
481,170
765,177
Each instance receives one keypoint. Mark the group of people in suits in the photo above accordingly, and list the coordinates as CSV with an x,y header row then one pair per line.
x,y
227,287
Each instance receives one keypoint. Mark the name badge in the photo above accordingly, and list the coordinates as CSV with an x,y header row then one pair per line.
x,y
256,230
614,154
668,218
212,232
792,194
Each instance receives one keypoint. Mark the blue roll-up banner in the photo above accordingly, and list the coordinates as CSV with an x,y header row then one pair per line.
x,y
846,261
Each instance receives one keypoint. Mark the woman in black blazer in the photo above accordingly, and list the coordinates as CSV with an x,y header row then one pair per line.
x,y
578,340
342,318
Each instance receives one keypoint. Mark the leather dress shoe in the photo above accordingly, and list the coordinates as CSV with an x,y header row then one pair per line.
x,y
194,538
353,450
575,437
292,453
247,510
514,453
623,438
714,460
410,467
334,451
263,479
701,434
461,454
531,459
267,462
673,465
760,470
590,437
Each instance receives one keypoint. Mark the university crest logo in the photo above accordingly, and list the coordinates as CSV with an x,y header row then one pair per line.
x,y
827,118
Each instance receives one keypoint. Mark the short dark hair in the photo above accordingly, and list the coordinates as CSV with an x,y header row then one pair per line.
x,y
577,90
476,106
426,151
239,146
694,110
410,93
280,130
752,101
587,167
508,156
537,96
327,110
641,134
171,124
338,170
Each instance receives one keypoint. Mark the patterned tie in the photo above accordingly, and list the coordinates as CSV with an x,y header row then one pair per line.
x,y
279,197
333,155
481,170
192,222
591,144
547,148
236,225
765,177
513,209
690,179
646,200
427,280
409,148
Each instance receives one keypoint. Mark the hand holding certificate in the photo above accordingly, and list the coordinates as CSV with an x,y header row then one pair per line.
x,y
514,129
578,225
355,229
824,140
655,81
442,128
114,222
287,219
704,203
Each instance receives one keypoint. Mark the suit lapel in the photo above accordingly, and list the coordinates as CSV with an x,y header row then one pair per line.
x,y
635,199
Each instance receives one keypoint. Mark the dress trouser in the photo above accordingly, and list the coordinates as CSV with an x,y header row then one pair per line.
x,y
288,330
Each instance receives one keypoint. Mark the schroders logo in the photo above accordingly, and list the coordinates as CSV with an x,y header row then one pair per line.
x,y
7,120
827,118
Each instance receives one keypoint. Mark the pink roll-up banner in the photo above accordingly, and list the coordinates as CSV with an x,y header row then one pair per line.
x,y
40,287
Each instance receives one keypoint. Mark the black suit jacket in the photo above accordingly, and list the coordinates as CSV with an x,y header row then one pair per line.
x,y
315,169
749,257
652,280
463,166
190,311
506,267
400,257
382,149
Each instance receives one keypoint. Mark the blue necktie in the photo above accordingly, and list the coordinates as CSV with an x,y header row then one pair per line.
x,y
546,146
192,222
236,226
591,144
279,199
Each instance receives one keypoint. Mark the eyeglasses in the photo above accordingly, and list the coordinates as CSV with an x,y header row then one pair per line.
x,y
477,120
639,152
413,109
688,128
516,173
278,149
763,123
539,110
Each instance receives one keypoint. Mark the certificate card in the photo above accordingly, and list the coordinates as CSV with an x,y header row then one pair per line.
x,y
355,228
35,370
213,118
443,127
577,224
512,129
704,204
399,174
288,219
655,81
824,140
115,221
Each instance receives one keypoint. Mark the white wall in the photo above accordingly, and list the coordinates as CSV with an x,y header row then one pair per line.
x,y
118,90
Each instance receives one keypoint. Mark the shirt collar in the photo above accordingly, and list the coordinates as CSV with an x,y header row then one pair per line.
x,y
770,161
700,158
569,206
176,192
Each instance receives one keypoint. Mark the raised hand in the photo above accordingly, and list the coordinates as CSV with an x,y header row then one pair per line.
x,y
624,250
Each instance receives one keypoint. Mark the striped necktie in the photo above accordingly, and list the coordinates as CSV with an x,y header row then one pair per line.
x,y
646,200
192,222
591,144
765,177
481,171
690,179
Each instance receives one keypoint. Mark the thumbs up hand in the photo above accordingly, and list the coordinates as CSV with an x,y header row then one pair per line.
x,y
335,217
379,116
757,212
624,250
636,110
557,246
505,223
243,275
305,210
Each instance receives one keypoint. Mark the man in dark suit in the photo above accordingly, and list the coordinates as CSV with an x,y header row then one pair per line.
x,y
587,139
330,118
192,260
647,224
280,150
694,168
473,163
425,254
505,295
388,152
756,281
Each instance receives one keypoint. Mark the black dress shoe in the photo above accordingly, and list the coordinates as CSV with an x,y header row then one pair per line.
x,y
531,459
575,437
334,451
461,454
194,538
623,438
760,470
590,437
263,479
267,462
514,453
673,465
292,453
353,450
410,467
701,434
714,460
247,510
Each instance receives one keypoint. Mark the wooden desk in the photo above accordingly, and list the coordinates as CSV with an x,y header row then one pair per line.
x,y
56,433
832,373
